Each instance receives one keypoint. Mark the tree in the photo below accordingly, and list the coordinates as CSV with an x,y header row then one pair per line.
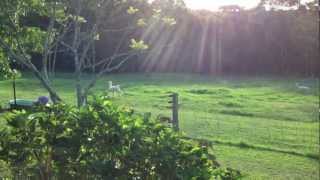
x,y
281,2
73,27
5,70
18,40
289,3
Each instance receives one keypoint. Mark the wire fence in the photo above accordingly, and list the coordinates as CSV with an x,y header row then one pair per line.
x,y
276,135
298,138
292,137
295,137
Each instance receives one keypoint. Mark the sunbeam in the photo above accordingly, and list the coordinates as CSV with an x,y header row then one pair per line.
x,y
215,4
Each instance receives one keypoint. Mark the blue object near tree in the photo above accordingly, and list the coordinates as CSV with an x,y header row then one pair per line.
x,y
21,104
43,100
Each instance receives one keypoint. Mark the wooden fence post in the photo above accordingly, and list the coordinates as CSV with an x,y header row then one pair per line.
x,y
14,91
175,111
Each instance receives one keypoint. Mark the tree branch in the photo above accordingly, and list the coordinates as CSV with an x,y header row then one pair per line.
x,y
109,68
54,96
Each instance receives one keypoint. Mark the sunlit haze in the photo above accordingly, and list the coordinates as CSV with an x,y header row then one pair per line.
x,y
215,4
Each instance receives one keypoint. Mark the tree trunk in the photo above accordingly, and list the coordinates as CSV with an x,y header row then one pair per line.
x,y
78,81
53,94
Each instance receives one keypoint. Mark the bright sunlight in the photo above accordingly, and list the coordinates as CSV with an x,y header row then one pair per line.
x,y
159,89
215,4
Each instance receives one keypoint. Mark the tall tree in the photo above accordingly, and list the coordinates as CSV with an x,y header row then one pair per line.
x,y
5,70
73,27
18,39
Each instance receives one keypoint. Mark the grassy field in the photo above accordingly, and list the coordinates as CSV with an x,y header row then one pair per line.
x,y
265,127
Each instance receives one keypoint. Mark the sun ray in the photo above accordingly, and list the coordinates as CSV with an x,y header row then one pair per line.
x,y
215,4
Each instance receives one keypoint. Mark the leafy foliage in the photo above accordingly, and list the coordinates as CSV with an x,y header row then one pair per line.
x,y
5,71
14,15
104,141
131,10
138,45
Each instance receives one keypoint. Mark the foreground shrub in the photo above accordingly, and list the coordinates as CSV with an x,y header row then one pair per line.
x,y
101,141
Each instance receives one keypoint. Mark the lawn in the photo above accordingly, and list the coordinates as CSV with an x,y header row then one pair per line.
x,y
265,127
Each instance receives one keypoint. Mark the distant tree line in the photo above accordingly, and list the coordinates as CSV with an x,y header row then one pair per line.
x,y
231,41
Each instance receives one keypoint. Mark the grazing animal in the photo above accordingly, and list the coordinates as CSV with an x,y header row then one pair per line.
x,y
114,88
302,87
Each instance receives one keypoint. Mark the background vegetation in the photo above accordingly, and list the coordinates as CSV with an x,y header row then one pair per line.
x,y
232,41
265,127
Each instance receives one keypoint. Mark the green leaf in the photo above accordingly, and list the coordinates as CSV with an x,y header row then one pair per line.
x,y
138,45
132,10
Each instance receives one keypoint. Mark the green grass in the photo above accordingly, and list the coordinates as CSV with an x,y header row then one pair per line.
x,y
265,127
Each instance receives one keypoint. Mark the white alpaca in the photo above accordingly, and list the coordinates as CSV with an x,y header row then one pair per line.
x,y
302,87
114,88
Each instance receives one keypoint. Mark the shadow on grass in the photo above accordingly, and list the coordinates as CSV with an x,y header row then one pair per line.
x,y
245,145
236,112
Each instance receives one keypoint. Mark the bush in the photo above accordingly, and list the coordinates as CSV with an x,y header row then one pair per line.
x,y
101,141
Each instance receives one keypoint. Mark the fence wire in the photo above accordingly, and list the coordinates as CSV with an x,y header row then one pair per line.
x,y
293,137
